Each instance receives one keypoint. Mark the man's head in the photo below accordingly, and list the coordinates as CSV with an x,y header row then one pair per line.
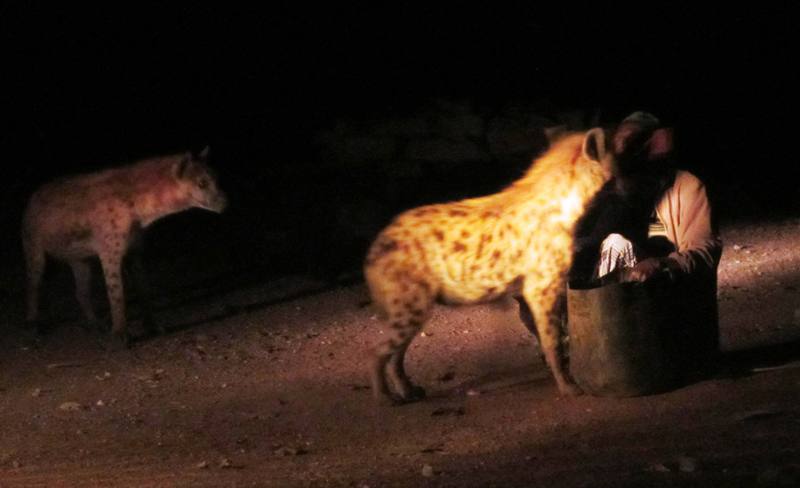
x,y
641,146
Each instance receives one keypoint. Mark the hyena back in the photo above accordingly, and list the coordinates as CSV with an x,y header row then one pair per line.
x,y
478,249
103,214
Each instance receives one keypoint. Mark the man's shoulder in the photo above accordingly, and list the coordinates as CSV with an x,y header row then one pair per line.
x,y
687,180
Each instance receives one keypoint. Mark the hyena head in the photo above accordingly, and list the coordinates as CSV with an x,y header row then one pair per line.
x,y
197,181
641,149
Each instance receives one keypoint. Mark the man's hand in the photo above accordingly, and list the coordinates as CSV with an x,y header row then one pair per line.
x,y
650,268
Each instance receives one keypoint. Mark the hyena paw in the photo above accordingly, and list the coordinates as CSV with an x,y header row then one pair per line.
x,y
153,327
414,394
570,389
40,326
390,400
393,400
91,325
119,342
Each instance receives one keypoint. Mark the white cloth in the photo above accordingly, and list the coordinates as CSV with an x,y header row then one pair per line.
x,y
615,252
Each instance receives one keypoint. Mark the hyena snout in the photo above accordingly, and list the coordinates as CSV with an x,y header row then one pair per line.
x,y
218,202
207,195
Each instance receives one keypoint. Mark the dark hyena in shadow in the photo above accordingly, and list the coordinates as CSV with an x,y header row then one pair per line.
x,y
103,214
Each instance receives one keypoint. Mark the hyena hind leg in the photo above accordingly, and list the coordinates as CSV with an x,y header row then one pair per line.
x,y
396,371
388,364
407,304
138,278
82,273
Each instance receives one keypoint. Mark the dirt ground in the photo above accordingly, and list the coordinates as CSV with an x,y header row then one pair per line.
x,y
266,385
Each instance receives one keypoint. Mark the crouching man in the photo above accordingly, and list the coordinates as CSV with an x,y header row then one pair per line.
x,y
654,222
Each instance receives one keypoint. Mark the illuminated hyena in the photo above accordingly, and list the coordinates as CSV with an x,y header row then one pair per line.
x,y
103,214
478,249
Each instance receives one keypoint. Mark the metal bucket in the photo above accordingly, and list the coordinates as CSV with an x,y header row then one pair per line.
x,y
622,338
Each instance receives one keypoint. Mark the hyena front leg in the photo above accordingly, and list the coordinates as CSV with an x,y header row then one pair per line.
x,y
135,267
82,273
112,265
543,303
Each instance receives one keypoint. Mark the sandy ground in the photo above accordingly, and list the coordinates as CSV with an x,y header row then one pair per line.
x,y
266,385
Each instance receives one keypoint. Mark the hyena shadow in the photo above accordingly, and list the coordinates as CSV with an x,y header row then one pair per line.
x,y
207,299
747,362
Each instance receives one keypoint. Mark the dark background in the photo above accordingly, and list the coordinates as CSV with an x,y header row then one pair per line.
x,y
89,87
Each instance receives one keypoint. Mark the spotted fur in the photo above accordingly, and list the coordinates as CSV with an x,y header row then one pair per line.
x,y
103,214
478,249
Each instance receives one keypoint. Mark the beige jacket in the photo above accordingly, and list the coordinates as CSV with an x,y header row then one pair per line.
x,y
685,212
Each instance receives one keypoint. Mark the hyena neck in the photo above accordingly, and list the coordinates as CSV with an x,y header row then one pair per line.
x,y
552,198
158,194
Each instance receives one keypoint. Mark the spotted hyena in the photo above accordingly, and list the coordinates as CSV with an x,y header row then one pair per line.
x,y
103,214
518,240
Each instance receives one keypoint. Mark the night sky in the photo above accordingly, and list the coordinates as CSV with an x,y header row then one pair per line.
x,y
87,87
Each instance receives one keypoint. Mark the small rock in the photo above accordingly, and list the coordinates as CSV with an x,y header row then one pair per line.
x,y
659,468
63,365
757,415
16,464
100,403
226,463
427,471
290,451
201,465
36,392
425,334
473,392
453,411
432,449
70,406
737,247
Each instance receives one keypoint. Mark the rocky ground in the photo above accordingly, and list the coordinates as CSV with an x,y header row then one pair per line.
x,y
265,384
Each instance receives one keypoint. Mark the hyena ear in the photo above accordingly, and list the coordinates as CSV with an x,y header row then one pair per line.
x,y
660,143
555,132
181,167
594,144
203,156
